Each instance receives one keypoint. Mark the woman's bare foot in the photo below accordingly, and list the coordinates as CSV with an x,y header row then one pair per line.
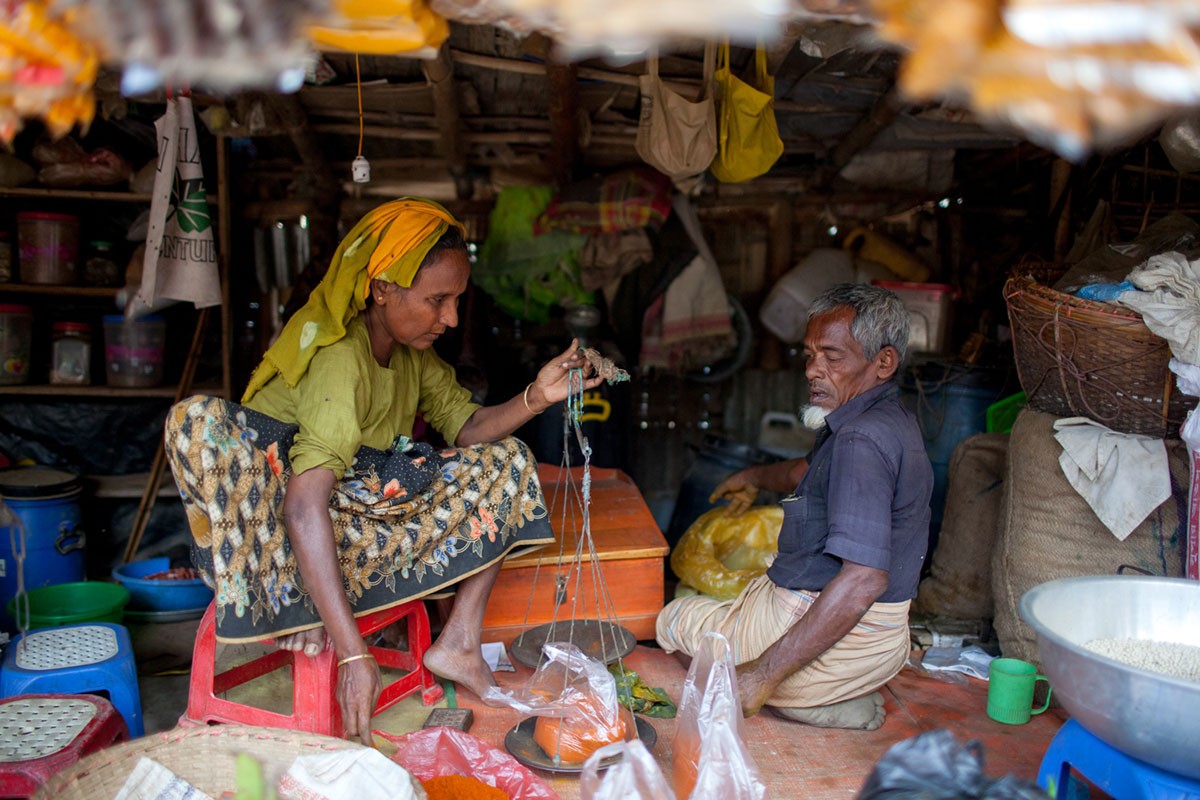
x,y
310,642
861,714
461,664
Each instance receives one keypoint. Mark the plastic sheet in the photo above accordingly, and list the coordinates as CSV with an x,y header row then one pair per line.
x,y
710,758
574,698
1073,76
436,752
721,552
635,777
934,766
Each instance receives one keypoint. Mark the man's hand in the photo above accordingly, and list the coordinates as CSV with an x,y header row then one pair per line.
x,y
753,687
739,489
358,691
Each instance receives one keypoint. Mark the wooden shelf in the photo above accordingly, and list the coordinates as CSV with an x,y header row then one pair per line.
x,y
51,390
128,487
66,291
75,194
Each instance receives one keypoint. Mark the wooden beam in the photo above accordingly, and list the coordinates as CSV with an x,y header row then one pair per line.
x,y
881,115
440,73
564,122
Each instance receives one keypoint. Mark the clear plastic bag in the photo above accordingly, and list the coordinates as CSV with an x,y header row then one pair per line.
x,y
574,698
635,777
710,759
436,752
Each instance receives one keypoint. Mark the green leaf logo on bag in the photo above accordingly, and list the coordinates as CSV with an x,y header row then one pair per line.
x,y
748,142
189,205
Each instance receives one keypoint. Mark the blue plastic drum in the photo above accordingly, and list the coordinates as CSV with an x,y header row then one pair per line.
x,y
44,502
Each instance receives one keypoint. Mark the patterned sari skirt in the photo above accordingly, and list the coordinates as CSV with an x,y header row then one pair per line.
x,y
409,521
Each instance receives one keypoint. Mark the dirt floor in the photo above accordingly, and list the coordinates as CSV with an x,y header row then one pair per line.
x,y
794,760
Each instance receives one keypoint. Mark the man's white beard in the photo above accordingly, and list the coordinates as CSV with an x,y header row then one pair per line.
x,y
814,417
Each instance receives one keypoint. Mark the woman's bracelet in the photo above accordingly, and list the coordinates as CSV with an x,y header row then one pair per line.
x,y
348,659
525,397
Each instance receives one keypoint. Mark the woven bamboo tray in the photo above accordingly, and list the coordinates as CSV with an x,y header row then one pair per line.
x,y
1078,357
204,756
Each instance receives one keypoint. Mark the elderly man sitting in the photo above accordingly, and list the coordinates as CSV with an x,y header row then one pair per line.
x,y
827,625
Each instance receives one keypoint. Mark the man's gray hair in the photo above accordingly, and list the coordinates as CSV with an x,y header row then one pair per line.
x,y
880,319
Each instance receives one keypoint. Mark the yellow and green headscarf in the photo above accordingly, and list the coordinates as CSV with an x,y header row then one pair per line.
x,y
388,244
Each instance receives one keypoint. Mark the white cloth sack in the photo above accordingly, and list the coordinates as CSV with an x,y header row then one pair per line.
x,y
150,780
676,136
181,254
1169,301
1187,378
1122,476
360,773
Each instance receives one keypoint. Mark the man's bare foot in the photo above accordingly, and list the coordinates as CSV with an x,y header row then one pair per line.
x,y
310,642
461,665
861,714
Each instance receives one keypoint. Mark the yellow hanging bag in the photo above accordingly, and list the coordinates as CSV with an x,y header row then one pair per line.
x,y
748,142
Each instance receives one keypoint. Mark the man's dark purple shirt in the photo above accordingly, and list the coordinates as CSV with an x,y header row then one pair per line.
x,y
864,499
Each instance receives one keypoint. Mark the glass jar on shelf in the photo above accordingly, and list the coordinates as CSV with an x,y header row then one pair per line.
x,y
71,354
101,268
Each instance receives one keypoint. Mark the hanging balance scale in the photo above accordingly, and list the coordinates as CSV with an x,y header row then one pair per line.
x,y
593,628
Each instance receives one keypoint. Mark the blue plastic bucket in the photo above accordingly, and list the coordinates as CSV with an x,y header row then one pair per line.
x,y
715,460
951,403
46,503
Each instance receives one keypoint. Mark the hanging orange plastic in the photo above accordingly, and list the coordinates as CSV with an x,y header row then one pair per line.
x,y
382,27
748,142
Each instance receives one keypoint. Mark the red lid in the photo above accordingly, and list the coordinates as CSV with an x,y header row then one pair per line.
x,y
75,327
917,287
47,215
13,309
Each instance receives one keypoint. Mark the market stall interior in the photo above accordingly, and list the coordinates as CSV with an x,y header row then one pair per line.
x,y
675,186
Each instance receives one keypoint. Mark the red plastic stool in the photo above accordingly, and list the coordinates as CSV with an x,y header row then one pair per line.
x,y
314,679
41,734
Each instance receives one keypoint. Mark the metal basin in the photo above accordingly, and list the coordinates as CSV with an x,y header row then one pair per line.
x,y
1147,715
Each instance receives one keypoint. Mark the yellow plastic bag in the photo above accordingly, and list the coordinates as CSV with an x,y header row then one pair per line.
x,y
748,142
721,552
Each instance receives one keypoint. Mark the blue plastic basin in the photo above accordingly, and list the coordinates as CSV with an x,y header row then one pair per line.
x,y
160,595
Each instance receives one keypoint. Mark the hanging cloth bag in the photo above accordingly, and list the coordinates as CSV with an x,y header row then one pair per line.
x,y
747,136
676,136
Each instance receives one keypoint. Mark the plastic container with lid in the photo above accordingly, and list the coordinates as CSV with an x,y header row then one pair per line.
x,y
71,354
133,350
929,306
16,335
101,268
48,247
6,259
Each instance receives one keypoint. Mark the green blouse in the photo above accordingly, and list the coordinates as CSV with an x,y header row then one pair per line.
x,y
346,400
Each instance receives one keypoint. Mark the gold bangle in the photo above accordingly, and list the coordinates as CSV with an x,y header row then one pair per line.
x,y
525,397
348,659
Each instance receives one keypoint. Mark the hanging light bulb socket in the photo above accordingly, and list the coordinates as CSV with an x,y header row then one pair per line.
x,y
360,170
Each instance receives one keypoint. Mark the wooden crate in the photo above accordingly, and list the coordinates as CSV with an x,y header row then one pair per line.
x,y
629,548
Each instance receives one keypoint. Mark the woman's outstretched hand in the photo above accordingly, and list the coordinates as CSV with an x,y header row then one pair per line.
x,y
552,383
358,691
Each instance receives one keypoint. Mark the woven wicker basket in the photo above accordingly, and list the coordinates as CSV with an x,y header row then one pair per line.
x,y
1078,357
204,757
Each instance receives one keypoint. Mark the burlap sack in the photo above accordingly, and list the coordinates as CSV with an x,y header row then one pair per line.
x,y
1047,531
959,584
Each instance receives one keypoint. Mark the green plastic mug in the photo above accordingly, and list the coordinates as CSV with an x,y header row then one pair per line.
x,y
1010,691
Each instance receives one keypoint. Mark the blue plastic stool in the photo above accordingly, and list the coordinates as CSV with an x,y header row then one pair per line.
x,y
1115,773
76,659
